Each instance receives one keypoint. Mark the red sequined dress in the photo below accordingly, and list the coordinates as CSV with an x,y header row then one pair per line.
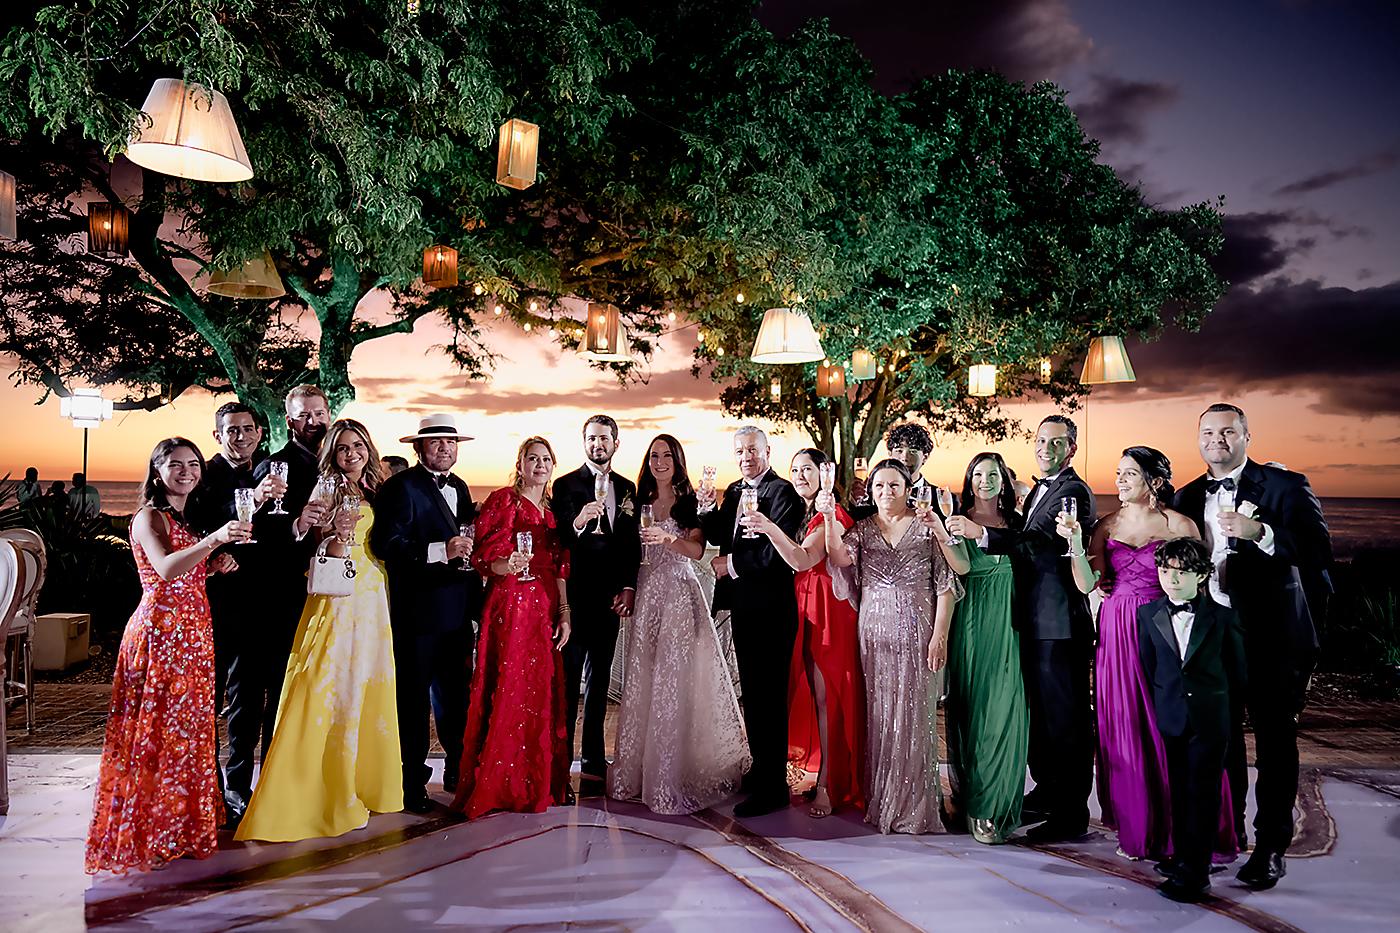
x,y
514,750
157,796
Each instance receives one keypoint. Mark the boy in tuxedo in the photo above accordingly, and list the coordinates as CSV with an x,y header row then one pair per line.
x,y
1193,655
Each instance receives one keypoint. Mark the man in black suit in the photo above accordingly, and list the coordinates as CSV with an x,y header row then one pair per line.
x,y
911,445
1267,537
434,597
278,564
604,549
755,585
1192,654
1057,636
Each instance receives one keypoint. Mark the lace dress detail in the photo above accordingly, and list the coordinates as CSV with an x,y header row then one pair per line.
x,y
680,738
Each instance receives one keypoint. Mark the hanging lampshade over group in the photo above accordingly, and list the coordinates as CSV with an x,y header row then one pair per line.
x,y
191,134
517,154
1107,362
786,335
255,279
7,207
982,380
863,365
440,266
108,229
831,379
1045,371
604,337
775,388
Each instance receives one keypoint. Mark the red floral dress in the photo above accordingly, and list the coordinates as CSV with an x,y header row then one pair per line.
x,y
827,631
514,751
157,795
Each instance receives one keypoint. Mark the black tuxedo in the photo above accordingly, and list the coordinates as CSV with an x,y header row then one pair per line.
x,y
1280,637
601,567
763,617
1057,644
1193,699
431,610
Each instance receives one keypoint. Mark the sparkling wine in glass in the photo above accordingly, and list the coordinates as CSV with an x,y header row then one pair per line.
x,y
945,505
277,468
827,470
600,496
468,532
324,493
525,544
351,503
1070,506
647,519
748,501
1225,502
923,499
244,505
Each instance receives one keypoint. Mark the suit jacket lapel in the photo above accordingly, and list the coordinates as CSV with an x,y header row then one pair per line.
x,y
1193,501
1205,618
428,485
1251,485
1047,491
1162,619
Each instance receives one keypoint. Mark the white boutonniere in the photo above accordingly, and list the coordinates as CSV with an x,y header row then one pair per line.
x,y
1247,509
627,508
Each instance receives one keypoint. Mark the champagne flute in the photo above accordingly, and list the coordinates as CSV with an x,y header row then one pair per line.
x,y
748,500
923,500
324,494
827,469
945,505
277,468
647,519
525,544
600,496
862,470
468,532
351,503
245,506
1225,502
1070,506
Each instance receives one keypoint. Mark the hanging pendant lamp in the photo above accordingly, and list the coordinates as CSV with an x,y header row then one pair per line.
x,y
255,279
191,134
863,365
831,380
7,207
604,336
982,380
108,228
786,336
440,266
1107,362
517,154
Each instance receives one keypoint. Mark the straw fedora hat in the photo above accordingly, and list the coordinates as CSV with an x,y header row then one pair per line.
x,y
440,425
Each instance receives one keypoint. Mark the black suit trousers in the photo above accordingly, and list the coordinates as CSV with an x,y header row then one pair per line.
x,y
1274,697
261,644
1194,765
764,631
432,669
588,659
1061,756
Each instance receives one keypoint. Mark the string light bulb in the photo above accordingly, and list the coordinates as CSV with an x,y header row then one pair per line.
x,y
499,310
478,289
739,298
534,306
671,316
527,327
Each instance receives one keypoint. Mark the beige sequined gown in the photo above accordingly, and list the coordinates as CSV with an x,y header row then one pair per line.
x,y
897,587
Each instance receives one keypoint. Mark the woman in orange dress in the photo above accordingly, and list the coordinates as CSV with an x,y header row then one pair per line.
x,y
157,796
515,754
826,696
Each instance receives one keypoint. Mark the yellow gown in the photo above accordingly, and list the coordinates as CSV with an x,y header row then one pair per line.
x,y
334,756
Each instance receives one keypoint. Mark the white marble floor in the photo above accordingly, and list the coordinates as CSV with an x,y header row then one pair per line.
x,y
608,866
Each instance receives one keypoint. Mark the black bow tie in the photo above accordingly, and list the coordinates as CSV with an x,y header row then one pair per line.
x,y
440,479
1215,485
1179,608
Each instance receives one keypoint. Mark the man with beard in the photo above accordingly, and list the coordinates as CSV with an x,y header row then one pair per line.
x,y
278,564
602,585
422,532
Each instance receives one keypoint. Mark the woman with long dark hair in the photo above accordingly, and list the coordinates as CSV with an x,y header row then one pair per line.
x,y
335,756
986,716
157,796
826,696
680,737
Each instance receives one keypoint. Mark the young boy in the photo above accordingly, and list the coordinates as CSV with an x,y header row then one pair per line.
x,y
1193,655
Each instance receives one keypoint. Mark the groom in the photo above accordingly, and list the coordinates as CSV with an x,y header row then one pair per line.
x,y
434,596
602,584
755,584
1267,536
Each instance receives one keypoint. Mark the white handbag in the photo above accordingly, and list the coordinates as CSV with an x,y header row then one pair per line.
x,y
330,576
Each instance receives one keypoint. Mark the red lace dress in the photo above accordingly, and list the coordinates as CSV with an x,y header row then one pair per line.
x,y
826,626
157,795
514,750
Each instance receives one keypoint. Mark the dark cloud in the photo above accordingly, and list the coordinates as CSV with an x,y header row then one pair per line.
x,y
1337,344
1028,40
673,387
1262,243
1373,164
1115,110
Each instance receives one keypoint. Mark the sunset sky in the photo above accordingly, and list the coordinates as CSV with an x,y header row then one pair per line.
x,y
1285,107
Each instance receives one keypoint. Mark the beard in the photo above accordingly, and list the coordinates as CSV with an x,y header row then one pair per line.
x,y
312,435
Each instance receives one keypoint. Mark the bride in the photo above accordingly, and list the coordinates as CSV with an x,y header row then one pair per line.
x,y
680,738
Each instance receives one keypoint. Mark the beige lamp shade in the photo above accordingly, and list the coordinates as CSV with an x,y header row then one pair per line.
x,y
192,134
108,228
786,335
1107,362
517,154
1046,369
831,380
604,337
7,207
255,279
982,380
863,365
440,266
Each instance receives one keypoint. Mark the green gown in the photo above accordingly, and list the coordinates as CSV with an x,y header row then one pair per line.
x,y
986,715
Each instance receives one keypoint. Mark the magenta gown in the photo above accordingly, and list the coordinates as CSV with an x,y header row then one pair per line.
x,y
1132,763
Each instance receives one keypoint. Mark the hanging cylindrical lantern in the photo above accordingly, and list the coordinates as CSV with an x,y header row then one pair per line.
x,y
517,154
862,364
775,388
108,226
8,212
982,380
786,336
255,279
604,337
1045,370
1106,362
191,134
831,380
440,266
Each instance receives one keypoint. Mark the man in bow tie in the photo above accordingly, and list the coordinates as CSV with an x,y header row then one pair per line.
x,y
422,532
1270,551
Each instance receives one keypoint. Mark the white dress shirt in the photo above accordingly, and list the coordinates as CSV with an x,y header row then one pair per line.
x,y
1182,623
610,503
437,550
1037,493
1225,500
752,484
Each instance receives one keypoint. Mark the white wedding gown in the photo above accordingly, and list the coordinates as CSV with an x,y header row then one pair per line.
x,y
680,737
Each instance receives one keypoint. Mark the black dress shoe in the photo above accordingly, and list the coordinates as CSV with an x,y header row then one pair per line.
x,y
570,798
592,787
416,800
1263,870
759,804
235,805
1184,890
1168,868
1051,831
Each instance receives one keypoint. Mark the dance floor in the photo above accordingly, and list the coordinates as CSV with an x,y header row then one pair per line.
x,y
609,866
